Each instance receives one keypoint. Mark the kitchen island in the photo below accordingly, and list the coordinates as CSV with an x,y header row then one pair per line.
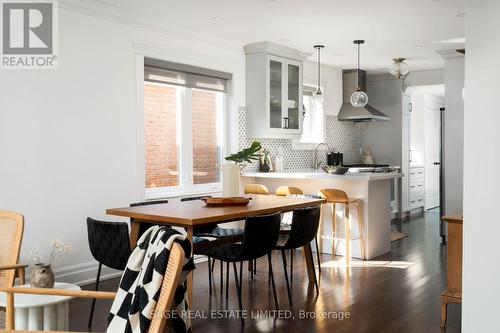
x,y
373,189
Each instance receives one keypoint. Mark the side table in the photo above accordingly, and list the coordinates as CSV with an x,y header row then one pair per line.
x,y
41,312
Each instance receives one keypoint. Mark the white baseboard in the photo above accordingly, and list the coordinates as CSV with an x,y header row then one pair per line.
x,y
85,273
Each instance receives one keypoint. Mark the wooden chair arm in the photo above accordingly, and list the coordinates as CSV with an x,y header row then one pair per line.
x,y
16,266
60,292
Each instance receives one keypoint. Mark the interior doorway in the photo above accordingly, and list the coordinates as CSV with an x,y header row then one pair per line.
x,y
427,105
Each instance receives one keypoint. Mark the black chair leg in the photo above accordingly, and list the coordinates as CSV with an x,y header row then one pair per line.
x,y
318,254
241,274
221,279
227,281
314,274
91,316
213,264
238,290
251,271
255,266
291,264
283,257
209,277
272,280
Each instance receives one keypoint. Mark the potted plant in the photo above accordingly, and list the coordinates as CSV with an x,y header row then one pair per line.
x,y
231,172
42,275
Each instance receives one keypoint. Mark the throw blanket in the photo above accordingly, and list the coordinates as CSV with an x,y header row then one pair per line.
x,y
135,302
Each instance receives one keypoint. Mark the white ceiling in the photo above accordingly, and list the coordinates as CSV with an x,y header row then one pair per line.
x,y
413,29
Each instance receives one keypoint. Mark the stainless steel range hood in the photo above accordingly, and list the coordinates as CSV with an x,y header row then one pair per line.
x,y
349,112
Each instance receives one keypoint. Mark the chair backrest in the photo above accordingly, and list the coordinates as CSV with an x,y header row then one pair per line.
x,y
168,288
305,223
334,195
147,203
260,235
145,225
284,191
109,242
11,235
256,189
195,198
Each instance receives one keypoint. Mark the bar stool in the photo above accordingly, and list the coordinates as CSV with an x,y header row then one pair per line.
x,y
256,189
335,197
286,191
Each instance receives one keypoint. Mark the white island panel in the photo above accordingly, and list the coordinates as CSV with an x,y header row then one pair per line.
x,y
373,189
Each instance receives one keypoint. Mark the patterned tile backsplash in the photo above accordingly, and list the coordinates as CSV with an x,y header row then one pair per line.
x,y
343,136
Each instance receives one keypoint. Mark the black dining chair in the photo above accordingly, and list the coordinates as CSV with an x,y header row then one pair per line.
x,y
303,230
214,232
259,238
110,246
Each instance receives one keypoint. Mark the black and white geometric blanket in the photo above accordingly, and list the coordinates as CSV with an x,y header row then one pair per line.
x,y
135,302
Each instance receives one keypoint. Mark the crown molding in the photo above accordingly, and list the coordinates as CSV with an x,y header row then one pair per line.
x,y
450,54
123,16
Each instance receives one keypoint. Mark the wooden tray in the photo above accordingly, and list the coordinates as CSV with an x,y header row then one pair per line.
x,y
226,201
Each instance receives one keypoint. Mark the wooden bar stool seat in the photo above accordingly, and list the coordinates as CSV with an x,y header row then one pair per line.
x,y
335,196
256,189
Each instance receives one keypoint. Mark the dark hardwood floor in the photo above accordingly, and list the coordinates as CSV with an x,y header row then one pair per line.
x,y
397,292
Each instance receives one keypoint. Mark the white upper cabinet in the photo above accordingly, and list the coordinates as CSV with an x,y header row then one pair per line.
x,y
273,91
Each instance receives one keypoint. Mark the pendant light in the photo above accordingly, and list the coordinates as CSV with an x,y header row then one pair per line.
x,y
318,97
399,68
359,98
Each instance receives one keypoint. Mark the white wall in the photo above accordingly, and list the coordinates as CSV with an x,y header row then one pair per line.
x,y
453,131
384,138
481,270
69,137
385,94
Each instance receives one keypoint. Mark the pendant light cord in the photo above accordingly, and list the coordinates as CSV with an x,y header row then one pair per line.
x,y
318,89
357,76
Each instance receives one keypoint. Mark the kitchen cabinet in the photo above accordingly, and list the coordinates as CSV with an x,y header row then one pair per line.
x,y
417,187
273,91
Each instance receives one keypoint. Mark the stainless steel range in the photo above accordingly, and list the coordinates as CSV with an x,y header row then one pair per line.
x,y
375,168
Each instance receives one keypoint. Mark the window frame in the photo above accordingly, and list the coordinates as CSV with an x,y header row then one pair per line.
x,y
184,133
296,144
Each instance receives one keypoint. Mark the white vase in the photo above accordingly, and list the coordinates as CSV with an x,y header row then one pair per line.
x,y
230,180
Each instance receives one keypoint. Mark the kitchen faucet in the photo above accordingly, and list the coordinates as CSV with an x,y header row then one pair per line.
x,y
316,162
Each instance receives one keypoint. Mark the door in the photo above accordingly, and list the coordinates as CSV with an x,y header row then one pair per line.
x,y
432,156
294,104
275,94
406,155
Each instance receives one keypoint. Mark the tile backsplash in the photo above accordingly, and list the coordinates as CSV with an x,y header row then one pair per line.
x,y
343,136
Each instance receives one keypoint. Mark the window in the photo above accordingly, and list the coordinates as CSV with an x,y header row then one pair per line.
x,y
313,119
183,137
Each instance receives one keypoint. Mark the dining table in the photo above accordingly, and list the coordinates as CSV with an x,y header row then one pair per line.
x,y
192,214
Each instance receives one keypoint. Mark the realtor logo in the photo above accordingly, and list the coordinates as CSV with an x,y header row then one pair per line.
x,y
29,34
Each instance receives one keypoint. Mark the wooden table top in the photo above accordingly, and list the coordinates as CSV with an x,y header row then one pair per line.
x,y
191,213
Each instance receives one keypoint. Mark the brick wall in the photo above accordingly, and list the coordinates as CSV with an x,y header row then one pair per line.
x,y
160,136
204,137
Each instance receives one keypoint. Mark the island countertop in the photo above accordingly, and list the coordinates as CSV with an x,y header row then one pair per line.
x,y
320,174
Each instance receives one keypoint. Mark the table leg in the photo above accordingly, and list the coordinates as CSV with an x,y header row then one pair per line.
x,y
134,233
189,281
309,262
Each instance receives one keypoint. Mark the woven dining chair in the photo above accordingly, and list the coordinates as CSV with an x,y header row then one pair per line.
x,y
165,301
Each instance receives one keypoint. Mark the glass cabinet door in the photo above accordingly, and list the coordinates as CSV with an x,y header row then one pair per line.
x,y
275,92
293,97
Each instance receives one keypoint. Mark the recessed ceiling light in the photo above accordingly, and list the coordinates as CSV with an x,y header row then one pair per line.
x,y
419,46
217,18
284,40
461,14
